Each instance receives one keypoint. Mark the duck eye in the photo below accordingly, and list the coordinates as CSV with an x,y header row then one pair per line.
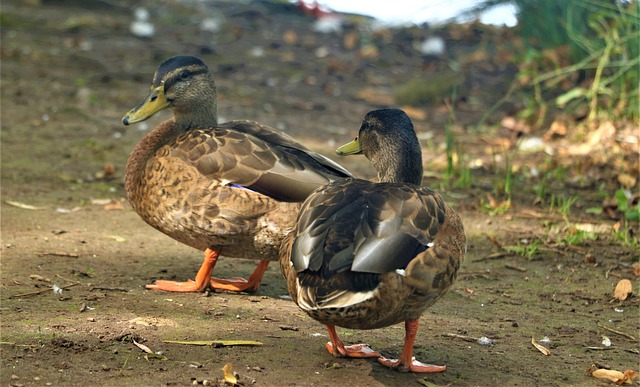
x,y
184,74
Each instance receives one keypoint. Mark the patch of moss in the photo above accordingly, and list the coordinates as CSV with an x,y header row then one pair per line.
x,y
15,21
429,89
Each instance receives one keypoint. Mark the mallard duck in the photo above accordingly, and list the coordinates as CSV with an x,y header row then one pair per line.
x,y
232,189
366,255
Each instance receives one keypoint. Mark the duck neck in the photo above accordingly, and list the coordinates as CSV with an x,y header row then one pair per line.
x,y
196,109
199,115
401,165
137,162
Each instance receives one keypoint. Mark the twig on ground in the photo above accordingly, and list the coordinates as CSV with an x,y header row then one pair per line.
x,y
107,288
58,254
67,279
492,256
43,291
628,336
514,267
463,337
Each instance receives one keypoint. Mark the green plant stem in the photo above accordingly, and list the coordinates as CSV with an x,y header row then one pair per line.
x,y
596,79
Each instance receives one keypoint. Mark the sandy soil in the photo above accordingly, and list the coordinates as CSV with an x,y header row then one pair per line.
x,y
68,76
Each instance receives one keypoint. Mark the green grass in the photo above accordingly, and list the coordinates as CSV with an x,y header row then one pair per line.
x,y
456,164
525,250
576,237
495,210
562,204
541,187
585,56
625,237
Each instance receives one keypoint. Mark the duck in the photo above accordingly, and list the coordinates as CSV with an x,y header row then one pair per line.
x,y
369,254
230,189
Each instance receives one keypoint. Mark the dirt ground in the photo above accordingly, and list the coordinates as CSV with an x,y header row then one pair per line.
x,y
71,69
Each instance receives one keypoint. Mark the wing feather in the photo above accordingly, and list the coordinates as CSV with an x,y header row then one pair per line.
x,y
251,156
365,227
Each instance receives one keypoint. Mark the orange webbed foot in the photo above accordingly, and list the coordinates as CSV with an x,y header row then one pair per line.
x,y
237,284
414,366
202,278
355,350
175,286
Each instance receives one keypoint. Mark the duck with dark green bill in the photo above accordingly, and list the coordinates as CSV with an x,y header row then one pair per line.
x,y
366,255
232,189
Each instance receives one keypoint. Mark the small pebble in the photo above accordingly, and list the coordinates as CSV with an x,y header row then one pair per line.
x,y
485,341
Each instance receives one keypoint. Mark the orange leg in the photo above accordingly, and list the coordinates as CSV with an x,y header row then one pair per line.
x,y
337,348
407,362
202,278
237,284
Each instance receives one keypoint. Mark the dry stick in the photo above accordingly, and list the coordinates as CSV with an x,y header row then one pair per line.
x,y
43,291
628,336
58,254
492,256
516,268
553,249
463,337
109,288
67,279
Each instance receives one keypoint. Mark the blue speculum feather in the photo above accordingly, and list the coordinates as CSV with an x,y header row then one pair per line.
x,y
234,185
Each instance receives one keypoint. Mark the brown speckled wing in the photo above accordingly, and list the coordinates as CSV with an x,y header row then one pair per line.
x,y
223,187
283,140
232,157
198,210
359,226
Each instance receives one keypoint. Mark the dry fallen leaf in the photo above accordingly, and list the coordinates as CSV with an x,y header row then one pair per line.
x,y
217,343
101,202
626,180
290,37
557,129
540,348
229,375
39,278
143,347
114,205
369,51
23,205
623,290
108,170
592,228
615,376
350,40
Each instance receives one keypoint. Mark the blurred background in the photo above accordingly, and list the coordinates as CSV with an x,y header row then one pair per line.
x,y
541,91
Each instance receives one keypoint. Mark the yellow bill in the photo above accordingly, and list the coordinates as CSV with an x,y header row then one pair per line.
x,y
352,148
154,102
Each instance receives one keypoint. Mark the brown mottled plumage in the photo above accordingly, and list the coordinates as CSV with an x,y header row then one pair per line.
x,y
367,255
230,189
